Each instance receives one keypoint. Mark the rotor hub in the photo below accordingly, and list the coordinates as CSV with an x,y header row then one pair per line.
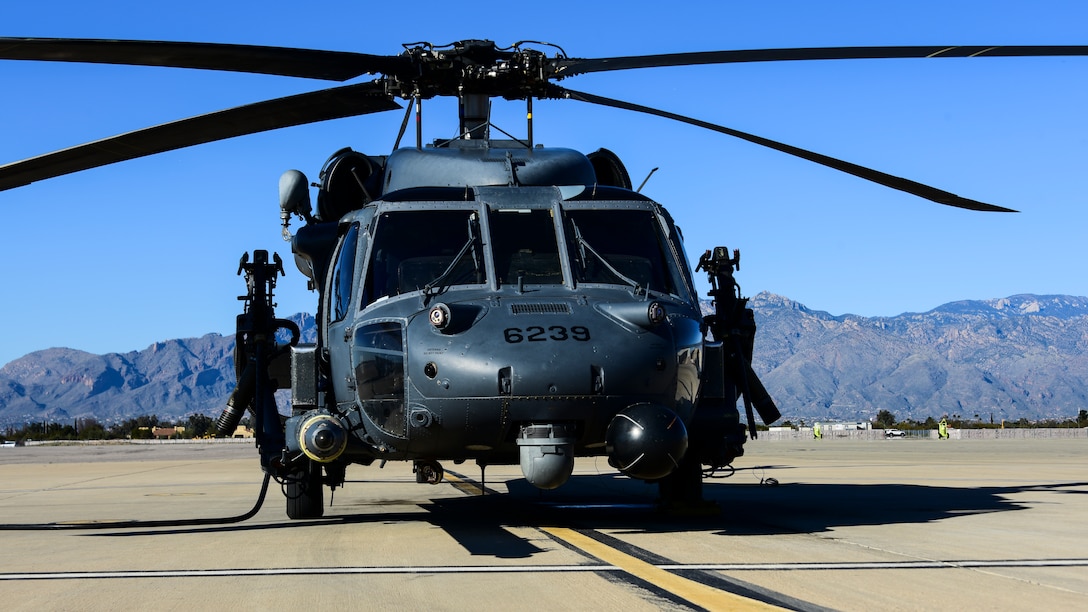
x,y
472,67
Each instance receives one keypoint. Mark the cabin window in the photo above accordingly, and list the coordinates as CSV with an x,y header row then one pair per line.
x,y
419,249
621,247
344,272
524,245
378,355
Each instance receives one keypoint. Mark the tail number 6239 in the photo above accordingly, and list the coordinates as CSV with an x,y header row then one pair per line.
x,y
537,333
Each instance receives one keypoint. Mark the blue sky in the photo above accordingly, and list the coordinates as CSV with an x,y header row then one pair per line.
x,y
117,258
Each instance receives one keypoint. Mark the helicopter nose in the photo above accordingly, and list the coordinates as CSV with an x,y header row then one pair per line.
x,y
646,441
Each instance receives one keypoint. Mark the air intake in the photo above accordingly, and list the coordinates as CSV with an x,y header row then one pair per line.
x,y
537,308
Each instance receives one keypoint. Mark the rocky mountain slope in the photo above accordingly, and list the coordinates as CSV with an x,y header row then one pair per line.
x,y
1024,356
170,379
1019,357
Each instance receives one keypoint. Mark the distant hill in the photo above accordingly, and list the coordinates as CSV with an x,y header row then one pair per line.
x,y
1024,356
171,379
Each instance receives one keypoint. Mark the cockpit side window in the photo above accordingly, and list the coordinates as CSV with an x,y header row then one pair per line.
x,y
416,249
344,272
621,247
525,247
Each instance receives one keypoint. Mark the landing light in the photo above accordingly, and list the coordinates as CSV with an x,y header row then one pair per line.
x,y
439,316
655,313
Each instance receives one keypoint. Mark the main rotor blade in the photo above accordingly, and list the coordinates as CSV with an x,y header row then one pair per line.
x,y
574,66
283,61
323,105
919,189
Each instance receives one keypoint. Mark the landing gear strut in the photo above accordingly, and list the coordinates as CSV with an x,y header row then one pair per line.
x,y
717,435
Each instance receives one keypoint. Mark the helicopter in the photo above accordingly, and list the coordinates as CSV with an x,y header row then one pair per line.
x,y
478,298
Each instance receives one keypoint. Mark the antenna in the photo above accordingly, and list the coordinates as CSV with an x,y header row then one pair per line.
x,y
643,184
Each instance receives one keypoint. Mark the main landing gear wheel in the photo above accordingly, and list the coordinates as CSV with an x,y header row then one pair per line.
x,y
681,492
305,498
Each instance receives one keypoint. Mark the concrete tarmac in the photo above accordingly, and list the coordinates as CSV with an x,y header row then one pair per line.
x,y
852,525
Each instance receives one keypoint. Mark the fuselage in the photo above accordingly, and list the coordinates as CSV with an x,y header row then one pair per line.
x,y
543,300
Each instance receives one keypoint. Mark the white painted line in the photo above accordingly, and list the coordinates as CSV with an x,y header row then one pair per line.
x,y
500,569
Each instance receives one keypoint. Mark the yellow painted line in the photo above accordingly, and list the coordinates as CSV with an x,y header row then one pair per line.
x,y
690,590
697,593
463,485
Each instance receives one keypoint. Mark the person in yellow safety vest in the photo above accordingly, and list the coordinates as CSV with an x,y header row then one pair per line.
x,y
816,433
942,430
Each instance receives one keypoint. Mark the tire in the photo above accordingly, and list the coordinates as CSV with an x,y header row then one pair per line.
x,y
685,484
305,497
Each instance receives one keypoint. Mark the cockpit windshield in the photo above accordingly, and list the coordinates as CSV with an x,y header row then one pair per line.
x,y
415,250
525,248
621,247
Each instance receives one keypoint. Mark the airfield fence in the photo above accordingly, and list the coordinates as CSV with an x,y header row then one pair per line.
x,y
136,441
805,433
773,435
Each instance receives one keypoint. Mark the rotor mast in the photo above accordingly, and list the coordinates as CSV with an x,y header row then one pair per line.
x,y
474,111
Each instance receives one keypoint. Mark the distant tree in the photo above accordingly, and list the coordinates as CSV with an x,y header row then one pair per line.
x,y
199,425
90,429
908,425
118,430
139,427
49,431
885,419
1082,418
61,432
1056,424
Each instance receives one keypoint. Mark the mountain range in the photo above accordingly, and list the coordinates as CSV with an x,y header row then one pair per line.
x,y
1024,356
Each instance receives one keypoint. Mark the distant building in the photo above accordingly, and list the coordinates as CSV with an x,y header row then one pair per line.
x,y
167,433
830,426
856,425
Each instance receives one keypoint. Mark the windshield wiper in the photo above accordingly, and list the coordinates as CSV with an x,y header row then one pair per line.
x,y
430,289
584,246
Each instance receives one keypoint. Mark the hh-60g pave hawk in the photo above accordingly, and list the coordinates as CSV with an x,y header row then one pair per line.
x,y
478,298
